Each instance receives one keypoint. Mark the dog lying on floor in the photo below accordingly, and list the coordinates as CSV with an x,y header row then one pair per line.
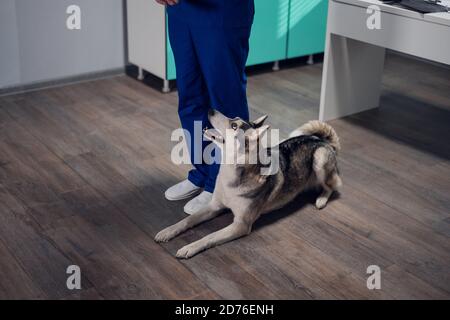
x,y
306,160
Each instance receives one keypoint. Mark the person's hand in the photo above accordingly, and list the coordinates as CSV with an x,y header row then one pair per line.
x,y
167,2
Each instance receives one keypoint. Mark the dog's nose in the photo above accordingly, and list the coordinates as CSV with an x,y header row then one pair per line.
x,y
211,112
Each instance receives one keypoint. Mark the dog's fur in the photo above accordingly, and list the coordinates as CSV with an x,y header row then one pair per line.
x,y
306,160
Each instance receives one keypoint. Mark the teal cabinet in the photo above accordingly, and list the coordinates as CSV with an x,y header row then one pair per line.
x,y
282,29
307,27
268,39
269,32
170,65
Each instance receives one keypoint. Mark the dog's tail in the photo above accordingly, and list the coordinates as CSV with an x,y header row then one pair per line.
x,y
321,130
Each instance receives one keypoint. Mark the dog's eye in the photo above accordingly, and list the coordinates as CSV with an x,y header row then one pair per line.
x,y
234,126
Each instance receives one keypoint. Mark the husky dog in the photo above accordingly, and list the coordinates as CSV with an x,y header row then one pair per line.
x,y
307,159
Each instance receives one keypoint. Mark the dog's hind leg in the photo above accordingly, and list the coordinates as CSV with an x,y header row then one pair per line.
x,y
209,212
324,166
322,200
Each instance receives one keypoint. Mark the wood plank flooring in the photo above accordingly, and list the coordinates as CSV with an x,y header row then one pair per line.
x,y
83,169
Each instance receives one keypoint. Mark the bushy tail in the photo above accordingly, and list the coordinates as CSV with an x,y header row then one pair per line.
x,y
321,130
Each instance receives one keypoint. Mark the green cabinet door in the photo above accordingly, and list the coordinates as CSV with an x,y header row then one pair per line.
x,y
282,29
171,72
269,32
268,39
307,27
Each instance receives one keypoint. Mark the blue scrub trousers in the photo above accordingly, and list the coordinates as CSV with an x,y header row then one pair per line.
x,y
210,63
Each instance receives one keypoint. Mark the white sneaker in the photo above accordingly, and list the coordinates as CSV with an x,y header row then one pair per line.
x,y
183,190
198,203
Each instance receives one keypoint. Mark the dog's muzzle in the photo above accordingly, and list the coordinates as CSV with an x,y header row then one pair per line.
x,y
213,135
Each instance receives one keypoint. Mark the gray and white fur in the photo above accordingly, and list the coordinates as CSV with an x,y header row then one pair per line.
x,y
307,160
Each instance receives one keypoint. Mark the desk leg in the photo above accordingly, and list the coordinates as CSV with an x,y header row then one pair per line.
x,y
351,79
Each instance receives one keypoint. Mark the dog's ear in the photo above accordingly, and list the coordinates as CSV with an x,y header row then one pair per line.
x,y
260,131
259,122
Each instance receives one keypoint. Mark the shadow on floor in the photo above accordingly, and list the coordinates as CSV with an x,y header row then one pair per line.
x,y
421,125
300,202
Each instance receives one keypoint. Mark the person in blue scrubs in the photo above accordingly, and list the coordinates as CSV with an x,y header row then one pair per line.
x,y
210,42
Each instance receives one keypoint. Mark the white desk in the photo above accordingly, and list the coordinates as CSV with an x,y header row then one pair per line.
x,y
354,54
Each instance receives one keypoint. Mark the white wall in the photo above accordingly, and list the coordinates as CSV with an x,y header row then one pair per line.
x,y
9,44
35,44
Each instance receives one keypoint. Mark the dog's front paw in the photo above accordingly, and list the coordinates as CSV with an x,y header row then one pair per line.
x,y
165,235
187,252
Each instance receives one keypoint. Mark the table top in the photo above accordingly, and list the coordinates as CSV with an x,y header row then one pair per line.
x,y
439,17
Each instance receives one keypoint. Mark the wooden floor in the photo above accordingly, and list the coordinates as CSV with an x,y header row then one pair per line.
x,y
83,169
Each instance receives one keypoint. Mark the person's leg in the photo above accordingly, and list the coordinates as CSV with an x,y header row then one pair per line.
x,y
193,94
222,55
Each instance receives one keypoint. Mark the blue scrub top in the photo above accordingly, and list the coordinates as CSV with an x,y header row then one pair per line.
x,y
226,13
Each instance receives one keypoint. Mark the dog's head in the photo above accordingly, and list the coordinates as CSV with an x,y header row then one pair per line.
x,y
236,129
